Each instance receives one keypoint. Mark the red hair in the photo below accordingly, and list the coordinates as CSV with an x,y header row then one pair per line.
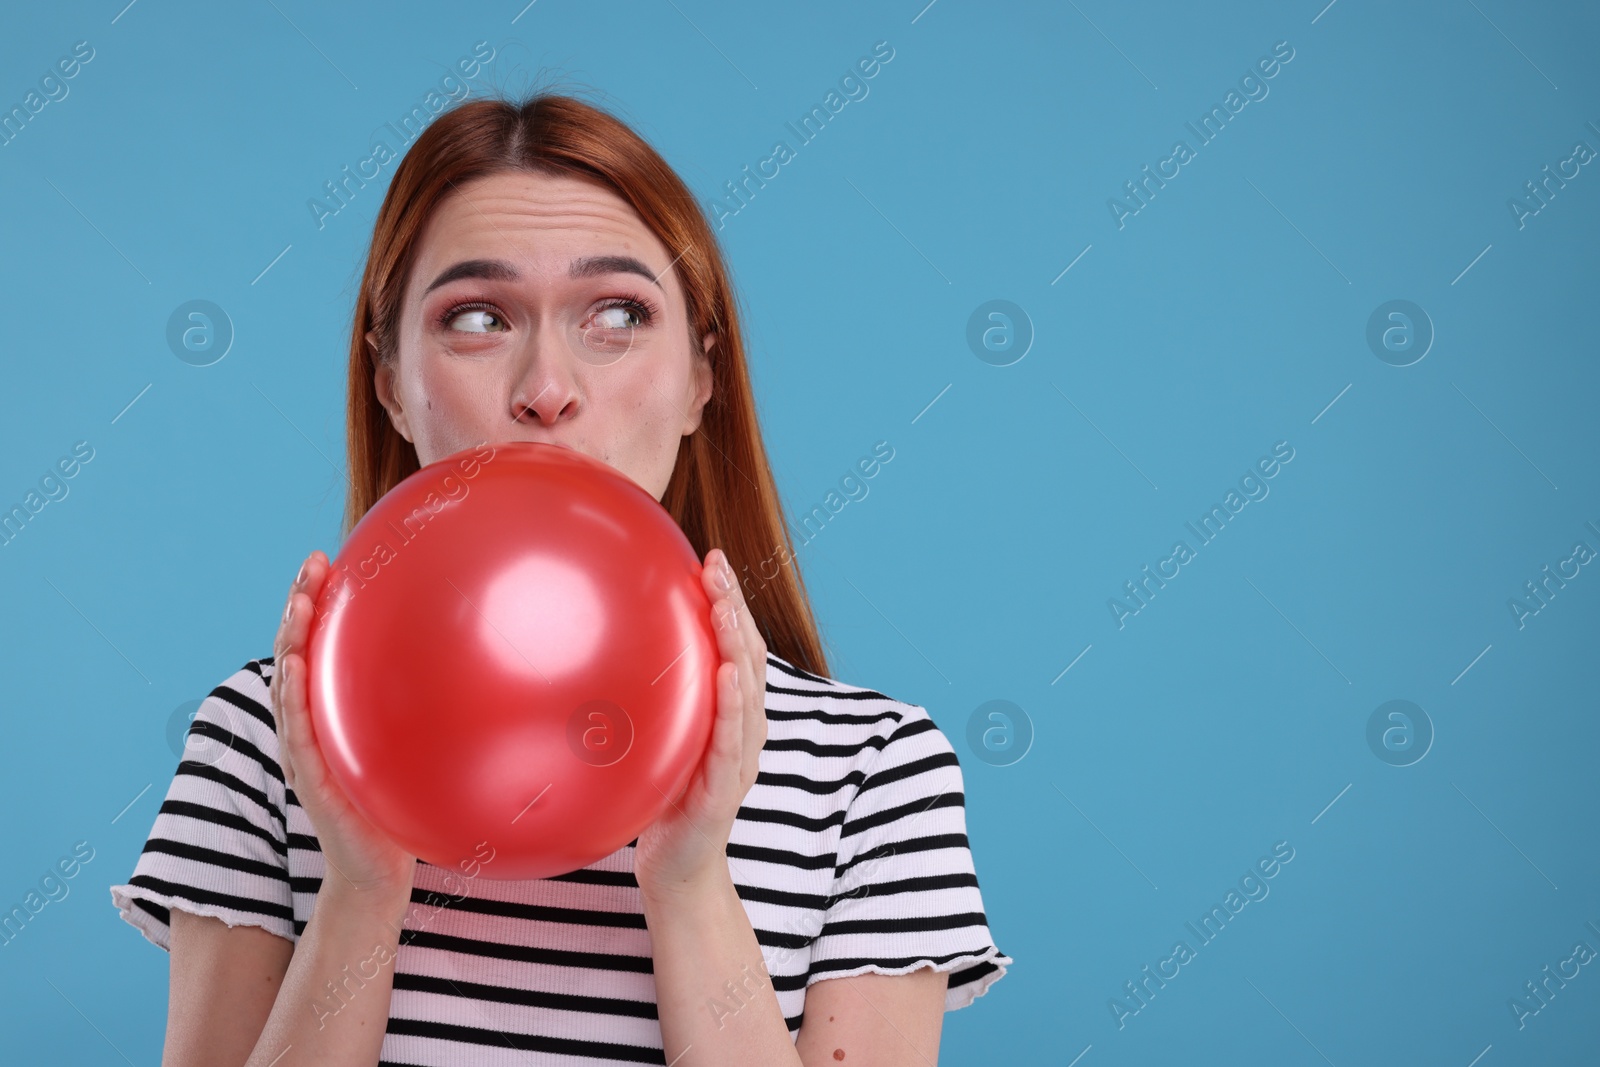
x,y
721,493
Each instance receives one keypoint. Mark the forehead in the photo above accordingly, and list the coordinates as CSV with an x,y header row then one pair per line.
x,y
537,222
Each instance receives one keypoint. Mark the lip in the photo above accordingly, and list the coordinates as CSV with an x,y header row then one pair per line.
x,y
539,441
557,444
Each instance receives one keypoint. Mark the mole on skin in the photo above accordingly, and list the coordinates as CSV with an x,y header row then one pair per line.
x,y
838,1053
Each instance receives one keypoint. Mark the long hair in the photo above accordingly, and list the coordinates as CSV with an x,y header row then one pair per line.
x,y
721,493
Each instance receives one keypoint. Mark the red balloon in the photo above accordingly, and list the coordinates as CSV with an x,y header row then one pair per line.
x,y
512,663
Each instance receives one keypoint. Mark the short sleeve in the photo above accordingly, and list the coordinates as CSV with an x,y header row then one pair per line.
x,y
219,845
905,890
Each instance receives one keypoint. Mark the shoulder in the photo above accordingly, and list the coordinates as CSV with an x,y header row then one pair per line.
x,y
259,671
236,717
883,737
248,689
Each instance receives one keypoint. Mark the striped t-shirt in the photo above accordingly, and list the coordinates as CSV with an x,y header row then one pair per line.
x,y
849,854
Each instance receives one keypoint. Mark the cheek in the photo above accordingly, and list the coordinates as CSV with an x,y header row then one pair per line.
x,y
446,392
451,409
636,399
639,420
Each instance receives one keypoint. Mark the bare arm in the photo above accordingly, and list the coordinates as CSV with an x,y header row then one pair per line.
x,y
717,1005
333,1008
701,941
241,995
224,980
713,996
881,1019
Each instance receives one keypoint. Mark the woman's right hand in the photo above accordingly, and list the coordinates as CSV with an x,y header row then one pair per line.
x,y
354,849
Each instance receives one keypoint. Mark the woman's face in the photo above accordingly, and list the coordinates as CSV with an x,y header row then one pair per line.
x,y
542,308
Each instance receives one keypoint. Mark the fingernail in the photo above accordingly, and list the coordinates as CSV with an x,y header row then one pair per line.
x,y
288,673
725,575
298,578
288,610
735,674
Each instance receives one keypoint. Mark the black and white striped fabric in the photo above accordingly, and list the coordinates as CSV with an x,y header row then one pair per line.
x,y
850,855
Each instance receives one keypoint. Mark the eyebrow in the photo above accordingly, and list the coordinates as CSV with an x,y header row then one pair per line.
x,y
498,270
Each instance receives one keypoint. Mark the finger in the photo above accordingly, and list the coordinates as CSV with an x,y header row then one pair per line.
x,y
306,756
733,644
280,647
725,612
727,601
739,640
727,581
317,569
281,680
728,587
299,737
723,761
719,577
755,731
293,628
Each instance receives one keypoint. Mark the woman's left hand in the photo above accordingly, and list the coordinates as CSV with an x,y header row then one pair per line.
x,y
685,849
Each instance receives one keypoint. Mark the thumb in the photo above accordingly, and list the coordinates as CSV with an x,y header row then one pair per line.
x,y
300,743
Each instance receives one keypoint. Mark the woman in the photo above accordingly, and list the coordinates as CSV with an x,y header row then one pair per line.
x,y
538,273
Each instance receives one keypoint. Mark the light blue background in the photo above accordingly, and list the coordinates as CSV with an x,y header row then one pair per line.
x,y
1225,316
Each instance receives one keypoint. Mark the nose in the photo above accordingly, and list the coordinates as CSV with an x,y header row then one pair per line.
x,y
545,388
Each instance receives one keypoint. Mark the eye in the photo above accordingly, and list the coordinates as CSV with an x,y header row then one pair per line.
x,y
616,313
486,320
623,313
